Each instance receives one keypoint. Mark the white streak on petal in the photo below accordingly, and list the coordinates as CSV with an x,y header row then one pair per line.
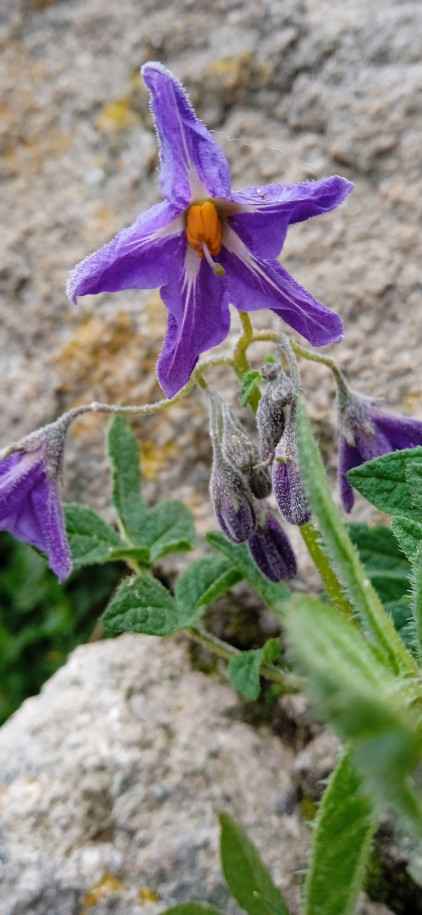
x,y
236,246
174,227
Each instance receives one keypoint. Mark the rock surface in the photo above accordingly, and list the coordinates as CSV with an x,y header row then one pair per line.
x,y
112,780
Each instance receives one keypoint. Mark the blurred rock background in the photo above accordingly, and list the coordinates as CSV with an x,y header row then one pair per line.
x,y
294,90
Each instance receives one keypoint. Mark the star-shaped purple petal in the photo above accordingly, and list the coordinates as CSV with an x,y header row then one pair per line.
x,y
197,290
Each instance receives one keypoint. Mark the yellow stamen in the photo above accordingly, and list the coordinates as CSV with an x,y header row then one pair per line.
x,y
204,228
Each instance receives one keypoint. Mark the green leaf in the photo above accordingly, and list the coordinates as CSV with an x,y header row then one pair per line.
x,y
244,668
91,540
414,479
341,845
244,672
388,482
201,583
417,599
359,695
249,387
402,615
409,535
271,651
124,459
273,594
387,567
246,875
167,528
192,908
138,554
142,604
342,553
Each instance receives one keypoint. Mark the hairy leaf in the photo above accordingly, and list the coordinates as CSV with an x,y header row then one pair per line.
x,y
388,482
91,540
124,459
409,535
387,566
343,555
201,583
354,691
249,389
244,672
341,845
246,875
142,604
167,528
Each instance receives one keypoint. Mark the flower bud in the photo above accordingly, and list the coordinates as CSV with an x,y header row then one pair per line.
x,y
230,494
259,480
232,500
271,550
287,484
270,418
236,445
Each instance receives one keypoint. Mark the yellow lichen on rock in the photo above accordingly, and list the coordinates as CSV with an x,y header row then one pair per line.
x,y
118,114
107,885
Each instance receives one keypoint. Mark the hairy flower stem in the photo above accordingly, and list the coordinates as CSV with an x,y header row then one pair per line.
x,y
290,682
240,362
329,579
317,357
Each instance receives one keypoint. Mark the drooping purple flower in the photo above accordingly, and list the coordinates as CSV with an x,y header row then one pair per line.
x,y
207,246
30,506
271,550
366,433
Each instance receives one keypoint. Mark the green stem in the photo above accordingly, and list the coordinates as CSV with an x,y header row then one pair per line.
x,y
290,682
240,362
344,557
316,357
330,581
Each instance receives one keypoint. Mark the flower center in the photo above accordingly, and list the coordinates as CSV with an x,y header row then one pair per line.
x,y
204,228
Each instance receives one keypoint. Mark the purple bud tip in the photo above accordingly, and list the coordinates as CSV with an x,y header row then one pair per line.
x,y
289,492
233,502
271,550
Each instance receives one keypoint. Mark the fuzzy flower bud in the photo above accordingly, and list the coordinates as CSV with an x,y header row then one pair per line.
x,y
242,454
259,479
229,491
30,506
236,445
232,502
287,484
270,418
271,550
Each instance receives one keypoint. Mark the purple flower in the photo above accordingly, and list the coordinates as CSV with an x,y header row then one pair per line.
x,y
207,246
365,434
30,506
271,550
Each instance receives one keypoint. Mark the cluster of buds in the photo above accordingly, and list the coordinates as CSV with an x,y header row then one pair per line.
x,y
243,474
